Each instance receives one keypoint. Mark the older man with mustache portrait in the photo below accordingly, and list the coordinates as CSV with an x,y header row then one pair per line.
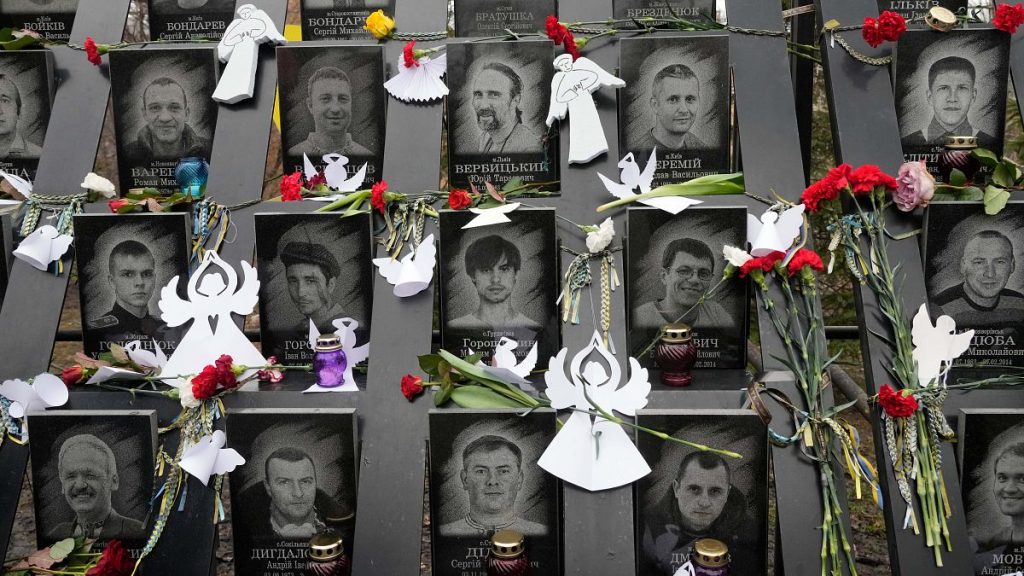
x,y
497,97
88,478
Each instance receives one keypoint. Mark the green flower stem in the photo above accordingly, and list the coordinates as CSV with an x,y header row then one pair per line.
x,y
711,189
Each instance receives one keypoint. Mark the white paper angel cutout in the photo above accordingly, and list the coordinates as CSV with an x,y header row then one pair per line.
x,y
774,232
936,347
412,274
22,185
209,457
598,454
43,246
419,83
336,175
632,178
345,329
150,359
211,302
572,91
239,47
506,367
686,569
491,216
45,391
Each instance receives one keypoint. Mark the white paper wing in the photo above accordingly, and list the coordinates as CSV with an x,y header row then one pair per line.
x,y
389,268
421,83
789,224
616,189
560,390
244,301
525,367
308,169
173,310
647,176
686,570
23,186
489,216
633,396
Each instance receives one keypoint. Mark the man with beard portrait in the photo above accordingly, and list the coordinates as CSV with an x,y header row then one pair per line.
x,y
497,96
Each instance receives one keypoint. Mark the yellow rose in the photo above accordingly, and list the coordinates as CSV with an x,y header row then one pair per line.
x,y
379,25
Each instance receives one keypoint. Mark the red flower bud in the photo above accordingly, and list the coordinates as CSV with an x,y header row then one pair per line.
x,y
412,386
204,385
92,52
115,561
803,258
1008,18
72,375
117,203
291,187
377,199
763,263
459,199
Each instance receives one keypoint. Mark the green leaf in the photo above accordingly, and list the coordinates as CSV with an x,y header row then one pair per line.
x,y
972,193
429,362
474,358
957,177
512,184
478,397
995,199
987,157
444,394
60,550
444,370
19,43
1003,175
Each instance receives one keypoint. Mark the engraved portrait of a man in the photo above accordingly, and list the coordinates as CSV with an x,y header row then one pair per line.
x,y
166,134
497,98
491,478
493,264
87,470
131,274
950,95
675,105
983,299
12,142
687,269
312,274
329,102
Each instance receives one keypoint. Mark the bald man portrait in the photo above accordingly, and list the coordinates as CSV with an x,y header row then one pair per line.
x,y
87,470
983,299
166,134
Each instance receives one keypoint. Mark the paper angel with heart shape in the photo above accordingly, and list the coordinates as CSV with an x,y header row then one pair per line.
x,y
592,452
572,92
213,296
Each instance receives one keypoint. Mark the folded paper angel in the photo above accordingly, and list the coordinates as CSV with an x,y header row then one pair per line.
x,y
572,91
45,391
774,232
412,274
345,329
491,216
209,457
936,346
505,367
594,454
211,302
632,178
336,175
43,246
419,83
240,47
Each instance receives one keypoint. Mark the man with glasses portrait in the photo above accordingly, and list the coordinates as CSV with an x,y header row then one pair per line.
x,y
687,268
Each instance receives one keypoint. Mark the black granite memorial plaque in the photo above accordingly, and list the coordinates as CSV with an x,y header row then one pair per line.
x,y
180,20
339,19
26,94
50,18
496,17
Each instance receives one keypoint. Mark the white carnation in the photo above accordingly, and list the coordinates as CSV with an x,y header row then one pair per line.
x,y
736,256
600,239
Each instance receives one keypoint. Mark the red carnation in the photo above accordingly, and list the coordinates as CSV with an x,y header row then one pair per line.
x,y
291,187
377,199
763,263
412,386
561,36
871,32
1008,18
115,561
459,199
408,56
316,181
891,25
92,52
117,203
827,188
803,258
868,177
225,373
896,404
204,385
72,375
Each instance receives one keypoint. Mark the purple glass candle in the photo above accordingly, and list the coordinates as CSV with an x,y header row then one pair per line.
x,y
957,153
329,362
676,355
710,557
327,555
508,555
